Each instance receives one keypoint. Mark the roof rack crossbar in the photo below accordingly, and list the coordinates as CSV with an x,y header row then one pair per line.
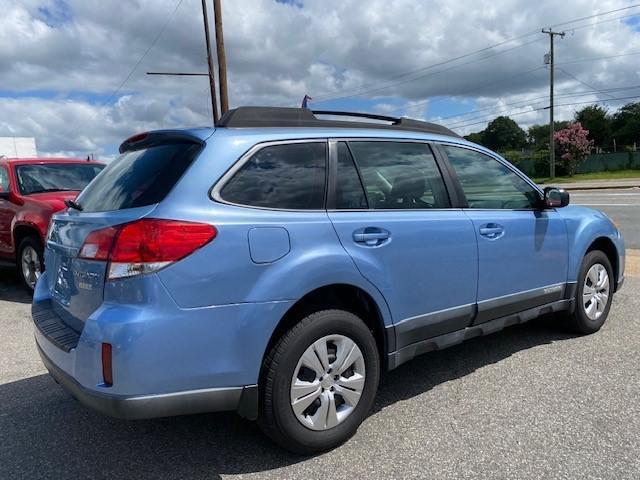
x,y
282,117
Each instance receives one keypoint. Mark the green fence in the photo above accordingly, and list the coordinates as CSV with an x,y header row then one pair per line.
x,y
537,165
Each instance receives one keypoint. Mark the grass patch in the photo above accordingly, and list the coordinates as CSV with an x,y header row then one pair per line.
x,y
585,177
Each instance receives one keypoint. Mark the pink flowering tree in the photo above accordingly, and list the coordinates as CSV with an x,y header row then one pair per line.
x,y
573,146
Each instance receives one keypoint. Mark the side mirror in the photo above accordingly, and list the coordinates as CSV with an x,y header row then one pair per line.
x,y
555,197
5,194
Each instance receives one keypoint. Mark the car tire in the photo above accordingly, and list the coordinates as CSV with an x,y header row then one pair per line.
x,y
594,293
30,261
307,430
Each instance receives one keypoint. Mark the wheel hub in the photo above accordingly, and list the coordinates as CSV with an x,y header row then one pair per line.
x,y
595,291
327,382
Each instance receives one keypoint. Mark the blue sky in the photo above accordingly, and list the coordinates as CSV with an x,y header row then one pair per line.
x,y
73,72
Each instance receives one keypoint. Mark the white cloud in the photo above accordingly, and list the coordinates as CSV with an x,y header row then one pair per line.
x,y
61,61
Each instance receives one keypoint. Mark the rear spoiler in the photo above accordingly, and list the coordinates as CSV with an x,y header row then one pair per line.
x,y
141,141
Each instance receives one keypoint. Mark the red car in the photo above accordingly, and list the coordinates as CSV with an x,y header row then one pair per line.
x,y
31,190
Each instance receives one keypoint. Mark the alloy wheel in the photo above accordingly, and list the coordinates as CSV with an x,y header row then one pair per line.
x,y
31,267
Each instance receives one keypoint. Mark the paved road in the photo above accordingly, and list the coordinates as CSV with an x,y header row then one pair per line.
x,y
533,401
622,205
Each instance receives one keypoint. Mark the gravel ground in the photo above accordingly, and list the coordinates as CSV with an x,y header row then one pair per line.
x,y
533,401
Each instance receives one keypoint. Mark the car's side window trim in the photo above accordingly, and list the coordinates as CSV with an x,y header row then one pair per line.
x,y
499,160
440,164
216,189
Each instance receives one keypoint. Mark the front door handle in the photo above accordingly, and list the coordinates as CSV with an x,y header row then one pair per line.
x,y
371,236
492,231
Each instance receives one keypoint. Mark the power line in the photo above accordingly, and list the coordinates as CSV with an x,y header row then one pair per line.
x,y
413,79
594,16
515,76
582,82
153,43
530,100
544,108
475,90
365,88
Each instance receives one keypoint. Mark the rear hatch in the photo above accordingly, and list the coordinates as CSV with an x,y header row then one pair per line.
x,y
128,189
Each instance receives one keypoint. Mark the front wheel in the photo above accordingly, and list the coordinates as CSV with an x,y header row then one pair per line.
x,y
594,293
30,261
318,382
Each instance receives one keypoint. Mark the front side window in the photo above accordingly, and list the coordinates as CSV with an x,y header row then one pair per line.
x,y
400,175
488,184
38,178
287,177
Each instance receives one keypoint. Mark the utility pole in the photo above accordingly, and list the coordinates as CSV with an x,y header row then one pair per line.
x,y
212,78
222,58
210,73
552,153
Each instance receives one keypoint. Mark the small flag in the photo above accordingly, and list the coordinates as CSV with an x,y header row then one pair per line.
x,y
305,101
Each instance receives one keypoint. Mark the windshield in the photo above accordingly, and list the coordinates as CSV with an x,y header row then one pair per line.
x,y
139,178
55,177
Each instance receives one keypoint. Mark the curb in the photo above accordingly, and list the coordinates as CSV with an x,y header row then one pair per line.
x,y
571,186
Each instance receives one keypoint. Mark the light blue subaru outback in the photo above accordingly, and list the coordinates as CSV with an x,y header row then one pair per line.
x,y
276,264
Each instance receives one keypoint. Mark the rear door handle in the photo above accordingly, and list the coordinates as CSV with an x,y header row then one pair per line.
x,y
492,231
371,236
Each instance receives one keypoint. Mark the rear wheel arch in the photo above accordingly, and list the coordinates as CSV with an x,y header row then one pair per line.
x,y
343,297
22,231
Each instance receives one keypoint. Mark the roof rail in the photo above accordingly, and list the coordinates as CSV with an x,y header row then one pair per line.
x,y
255,117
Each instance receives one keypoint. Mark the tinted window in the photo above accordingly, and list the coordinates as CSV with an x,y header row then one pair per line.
x,y
55,177
4,180
288,177
487,183
349,191
138,178
400,175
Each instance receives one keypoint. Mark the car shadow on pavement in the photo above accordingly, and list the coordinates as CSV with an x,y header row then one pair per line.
x,y
44,433
11,289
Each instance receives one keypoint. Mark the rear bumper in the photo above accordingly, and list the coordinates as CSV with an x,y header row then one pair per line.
x,y
241,399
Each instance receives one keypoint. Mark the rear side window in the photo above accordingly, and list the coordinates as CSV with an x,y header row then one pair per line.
x,y
349,192
400,175
138,178
288,177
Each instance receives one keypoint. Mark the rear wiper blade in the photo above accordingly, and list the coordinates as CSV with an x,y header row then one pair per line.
x,y
73,204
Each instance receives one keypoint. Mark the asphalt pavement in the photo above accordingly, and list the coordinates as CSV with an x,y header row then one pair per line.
x,y
531,402
622,205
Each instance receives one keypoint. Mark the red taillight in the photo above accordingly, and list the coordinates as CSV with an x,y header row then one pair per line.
x,y
145,245
107,367
98,244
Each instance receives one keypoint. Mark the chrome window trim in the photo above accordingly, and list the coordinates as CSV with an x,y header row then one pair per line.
x,y
214,192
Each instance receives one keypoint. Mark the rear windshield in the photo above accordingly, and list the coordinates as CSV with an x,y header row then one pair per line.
x,y
138,178
55,177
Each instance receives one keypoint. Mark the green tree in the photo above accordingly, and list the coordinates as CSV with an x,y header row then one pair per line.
x,y
475,137
626,125
597,120
503,133
538,135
